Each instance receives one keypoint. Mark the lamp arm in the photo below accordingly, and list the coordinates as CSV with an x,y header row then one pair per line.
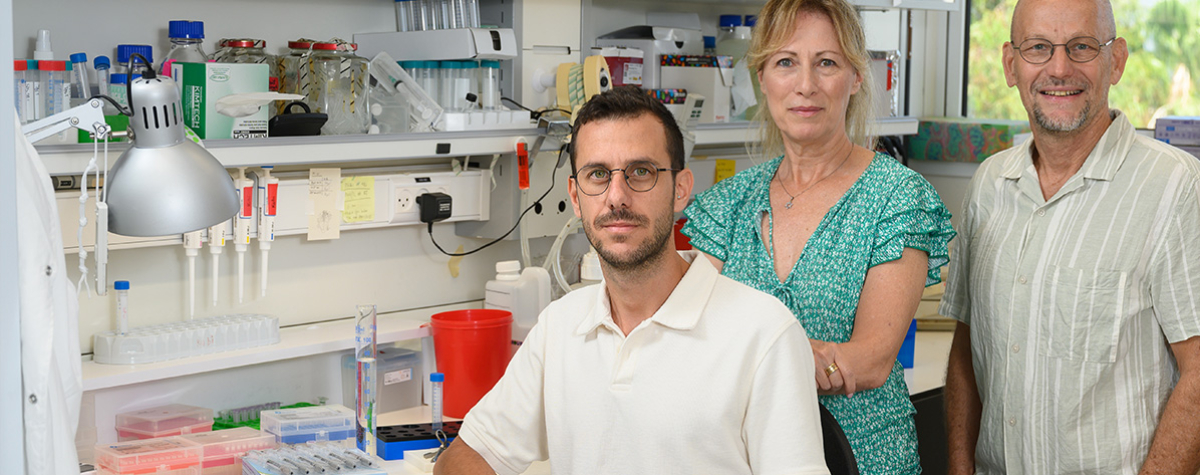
x,y
88,116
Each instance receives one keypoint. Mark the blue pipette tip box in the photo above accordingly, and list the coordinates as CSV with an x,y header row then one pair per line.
x,y
392,441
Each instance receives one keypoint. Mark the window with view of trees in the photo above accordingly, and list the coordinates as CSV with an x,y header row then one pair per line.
x,y
1161,77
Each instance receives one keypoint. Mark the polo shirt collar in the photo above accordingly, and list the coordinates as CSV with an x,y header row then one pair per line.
x,y
681,310
1102,162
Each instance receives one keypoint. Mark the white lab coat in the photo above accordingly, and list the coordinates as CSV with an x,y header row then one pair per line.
x,y
50,358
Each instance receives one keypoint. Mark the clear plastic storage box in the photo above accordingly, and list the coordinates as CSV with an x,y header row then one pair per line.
x,y
165,456
399,378
222,450
163,421
332,423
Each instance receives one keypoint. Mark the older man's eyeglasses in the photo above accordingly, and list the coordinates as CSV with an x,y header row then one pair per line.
x,y
641,176
1080,50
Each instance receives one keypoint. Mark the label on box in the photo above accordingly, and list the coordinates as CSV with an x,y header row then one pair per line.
x,y
632,74
400,376
203,84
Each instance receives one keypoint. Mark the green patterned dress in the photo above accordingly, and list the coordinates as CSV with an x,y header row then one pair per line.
x,y
890,207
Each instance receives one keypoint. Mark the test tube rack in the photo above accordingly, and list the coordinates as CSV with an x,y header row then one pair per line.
x,y
393,441
169,341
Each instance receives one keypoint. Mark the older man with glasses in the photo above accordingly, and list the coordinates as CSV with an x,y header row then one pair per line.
x,y
1076,277
664,367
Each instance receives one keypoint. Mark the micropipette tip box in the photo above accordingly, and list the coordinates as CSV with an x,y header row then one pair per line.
x,y
393,441
169,341
334,423
163,421
223,449
165,456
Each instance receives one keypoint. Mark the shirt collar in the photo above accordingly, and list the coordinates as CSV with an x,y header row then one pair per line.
x,y
1102,163
681,310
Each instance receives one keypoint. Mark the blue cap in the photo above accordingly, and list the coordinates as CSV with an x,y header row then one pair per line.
x,y
751,20
185,29
101,62
125,51
437,377
730,20
710,42
69,66
468,65
79,58
121,285
490,63
31,64
448,64
407,65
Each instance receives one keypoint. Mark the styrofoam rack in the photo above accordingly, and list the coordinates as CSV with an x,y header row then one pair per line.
x,y
169,341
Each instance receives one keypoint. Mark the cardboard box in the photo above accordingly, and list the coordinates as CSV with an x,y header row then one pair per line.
x,y
962,140
1178,130
201,85
712,83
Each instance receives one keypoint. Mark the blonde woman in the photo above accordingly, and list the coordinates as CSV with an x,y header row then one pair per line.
x,y
846,237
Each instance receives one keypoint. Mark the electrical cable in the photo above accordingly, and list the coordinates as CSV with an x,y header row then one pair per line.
x,y
553,173
114,103
538,113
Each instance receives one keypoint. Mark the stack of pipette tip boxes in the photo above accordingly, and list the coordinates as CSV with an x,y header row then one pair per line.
x,y
168,341
333,423
163,421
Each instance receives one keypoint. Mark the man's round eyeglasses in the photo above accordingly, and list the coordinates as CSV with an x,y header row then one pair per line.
x,y
1080,49
641,176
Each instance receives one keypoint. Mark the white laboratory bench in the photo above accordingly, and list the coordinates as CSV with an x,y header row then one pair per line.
x,y
928,374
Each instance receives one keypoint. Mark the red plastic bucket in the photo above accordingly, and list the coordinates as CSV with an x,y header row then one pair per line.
x,y
473,348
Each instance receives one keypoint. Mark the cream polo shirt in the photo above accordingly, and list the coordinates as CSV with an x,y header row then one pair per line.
x,y
1073,301
718,380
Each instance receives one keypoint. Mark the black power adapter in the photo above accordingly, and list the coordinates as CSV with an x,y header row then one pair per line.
x,y
434,207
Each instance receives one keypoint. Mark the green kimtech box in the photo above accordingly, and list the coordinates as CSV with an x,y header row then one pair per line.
x,y
962,140
201,85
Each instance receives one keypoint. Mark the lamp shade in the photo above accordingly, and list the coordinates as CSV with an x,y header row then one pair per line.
x,y
171,190
165,184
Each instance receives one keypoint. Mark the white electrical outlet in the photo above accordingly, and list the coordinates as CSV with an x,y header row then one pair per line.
x,y
406,201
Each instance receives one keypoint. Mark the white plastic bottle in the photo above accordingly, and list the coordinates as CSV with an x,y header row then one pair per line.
x,y
589,270
524,294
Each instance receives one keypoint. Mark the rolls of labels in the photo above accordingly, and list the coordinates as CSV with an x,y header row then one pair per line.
x,y
577,83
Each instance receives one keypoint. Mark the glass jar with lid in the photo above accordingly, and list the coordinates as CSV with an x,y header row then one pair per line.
x,y
294,69
252,51
339,87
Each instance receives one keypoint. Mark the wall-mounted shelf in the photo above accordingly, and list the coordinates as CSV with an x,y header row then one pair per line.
x,y
738,133
295,342
72,159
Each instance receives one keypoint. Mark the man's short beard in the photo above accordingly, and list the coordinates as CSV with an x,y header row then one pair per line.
x,y
646,255
1048,124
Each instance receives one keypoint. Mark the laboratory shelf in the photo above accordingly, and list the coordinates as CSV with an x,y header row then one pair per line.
x,y
296,341
72,159
738,133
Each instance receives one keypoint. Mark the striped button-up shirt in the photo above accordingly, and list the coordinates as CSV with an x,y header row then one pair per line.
x,y
1073,301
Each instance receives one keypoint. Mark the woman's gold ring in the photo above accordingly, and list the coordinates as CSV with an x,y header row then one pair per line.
x,y
832,368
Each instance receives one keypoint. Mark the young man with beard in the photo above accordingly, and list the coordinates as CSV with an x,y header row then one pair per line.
x,y
1076,277
664,367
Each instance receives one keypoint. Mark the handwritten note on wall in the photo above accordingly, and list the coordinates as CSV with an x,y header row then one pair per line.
x,y
359,199
725,168
324,220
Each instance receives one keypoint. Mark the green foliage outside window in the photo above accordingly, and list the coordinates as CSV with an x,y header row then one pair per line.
x,y
1161,77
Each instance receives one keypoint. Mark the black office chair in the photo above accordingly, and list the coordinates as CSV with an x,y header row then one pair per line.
x,y
838,455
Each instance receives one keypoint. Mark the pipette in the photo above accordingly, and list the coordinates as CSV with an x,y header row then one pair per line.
x,y
268,189
241,226
191,247
216,244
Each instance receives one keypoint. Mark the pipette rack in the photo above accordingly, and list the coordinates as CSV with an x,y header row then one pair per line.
x,y
169,341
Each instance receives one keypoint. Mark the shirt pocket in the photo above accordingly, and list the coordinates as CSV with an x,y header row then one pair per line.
x,y
1082,313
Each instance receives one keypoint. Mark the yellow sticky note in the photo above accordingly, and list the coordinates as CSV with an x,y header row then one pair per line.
x,y
359,199
725,169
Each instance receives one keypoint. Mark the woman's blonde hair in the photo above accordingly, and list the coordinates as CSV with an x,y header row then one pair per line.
x,y
776,24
